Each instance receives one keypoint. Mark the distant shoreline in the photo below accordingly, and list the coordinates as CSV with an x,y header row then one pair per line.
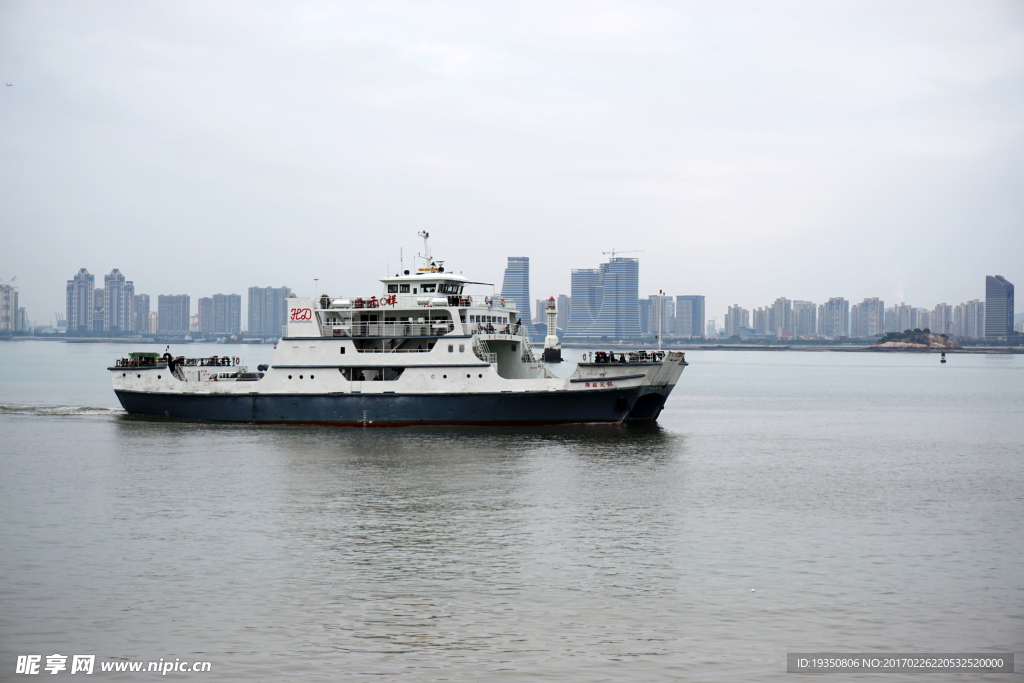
x,y
760,347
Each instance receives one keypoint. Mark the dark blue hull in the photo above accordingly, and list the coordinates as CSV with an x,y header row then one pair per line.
x,y
640,404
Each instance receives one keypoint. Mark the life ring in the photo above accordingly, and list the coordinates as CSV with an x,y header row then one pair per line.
x,y
236,360
487,300
583,357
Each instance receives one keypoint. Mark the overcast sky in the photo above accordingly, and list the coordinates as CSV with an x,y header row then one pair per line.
x,y
752,150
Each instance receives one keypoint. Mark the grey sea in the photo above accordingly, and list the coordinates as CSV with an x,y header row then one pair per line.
x,y
786,502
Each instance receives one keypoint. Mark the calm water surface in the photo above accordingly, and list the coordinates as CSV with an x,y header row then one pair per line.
x,y
874,503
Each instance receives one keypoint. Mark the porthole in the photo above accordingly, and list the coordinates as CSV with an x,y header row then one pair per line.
x,y
468,376
311,376
289,376
123,374
444,376
432,377
139,376
481,376
158,376
300,376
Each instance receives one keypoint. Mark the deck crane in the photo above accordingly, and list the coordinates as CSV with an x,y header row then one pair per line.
x,y
614,251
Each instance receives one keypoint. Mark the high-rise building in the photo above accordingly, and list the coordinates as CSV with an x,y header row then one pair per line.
x,y
660,314
80,305
206,314
220,314
712,329
564,304
141,308
8,309
905,318
118,303
834,318
780,317
539,315
587,293
154,322
870,318
805,319
760,319
516,286
645,316
21,323
969,319
619,315
942,319
268,310
173,311
998,306
924,319
736,318
689,316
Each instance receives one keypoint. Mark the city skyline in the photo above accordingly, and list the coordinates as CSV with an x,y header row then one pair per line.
x,y
607,302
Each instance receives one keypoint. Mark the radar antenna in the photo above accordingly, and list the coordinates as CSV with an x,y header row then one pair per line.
x,y
427,257
426,247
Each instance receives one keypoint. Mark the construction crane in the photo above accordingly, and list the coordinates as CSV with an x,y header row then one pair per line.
x,y
613,252
9,283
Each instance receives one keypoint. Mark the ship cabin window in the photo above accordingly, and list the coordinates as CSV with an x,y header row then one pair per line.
x,y
462,348
363,374
428,288
414,290
404,289
451,348
392,289
343,349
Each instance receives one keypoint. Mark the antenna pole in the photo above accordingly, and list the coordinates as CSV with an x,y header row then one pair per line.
x,y
661,314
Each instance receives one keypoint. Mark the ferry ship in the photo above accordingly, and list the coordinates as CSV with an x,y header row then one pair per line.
x,y
427,351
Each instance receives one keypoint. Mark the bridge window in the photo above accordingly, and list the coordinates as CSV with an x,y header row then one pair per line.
x,y
428,288
404,289
392,289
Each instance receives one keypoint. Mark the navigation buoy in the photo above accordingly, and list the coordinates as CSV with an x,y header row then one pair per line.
x,y
943,359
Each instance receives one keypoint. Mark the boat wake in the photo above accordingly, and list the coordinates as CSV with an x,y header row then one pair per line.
x,y
58,410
